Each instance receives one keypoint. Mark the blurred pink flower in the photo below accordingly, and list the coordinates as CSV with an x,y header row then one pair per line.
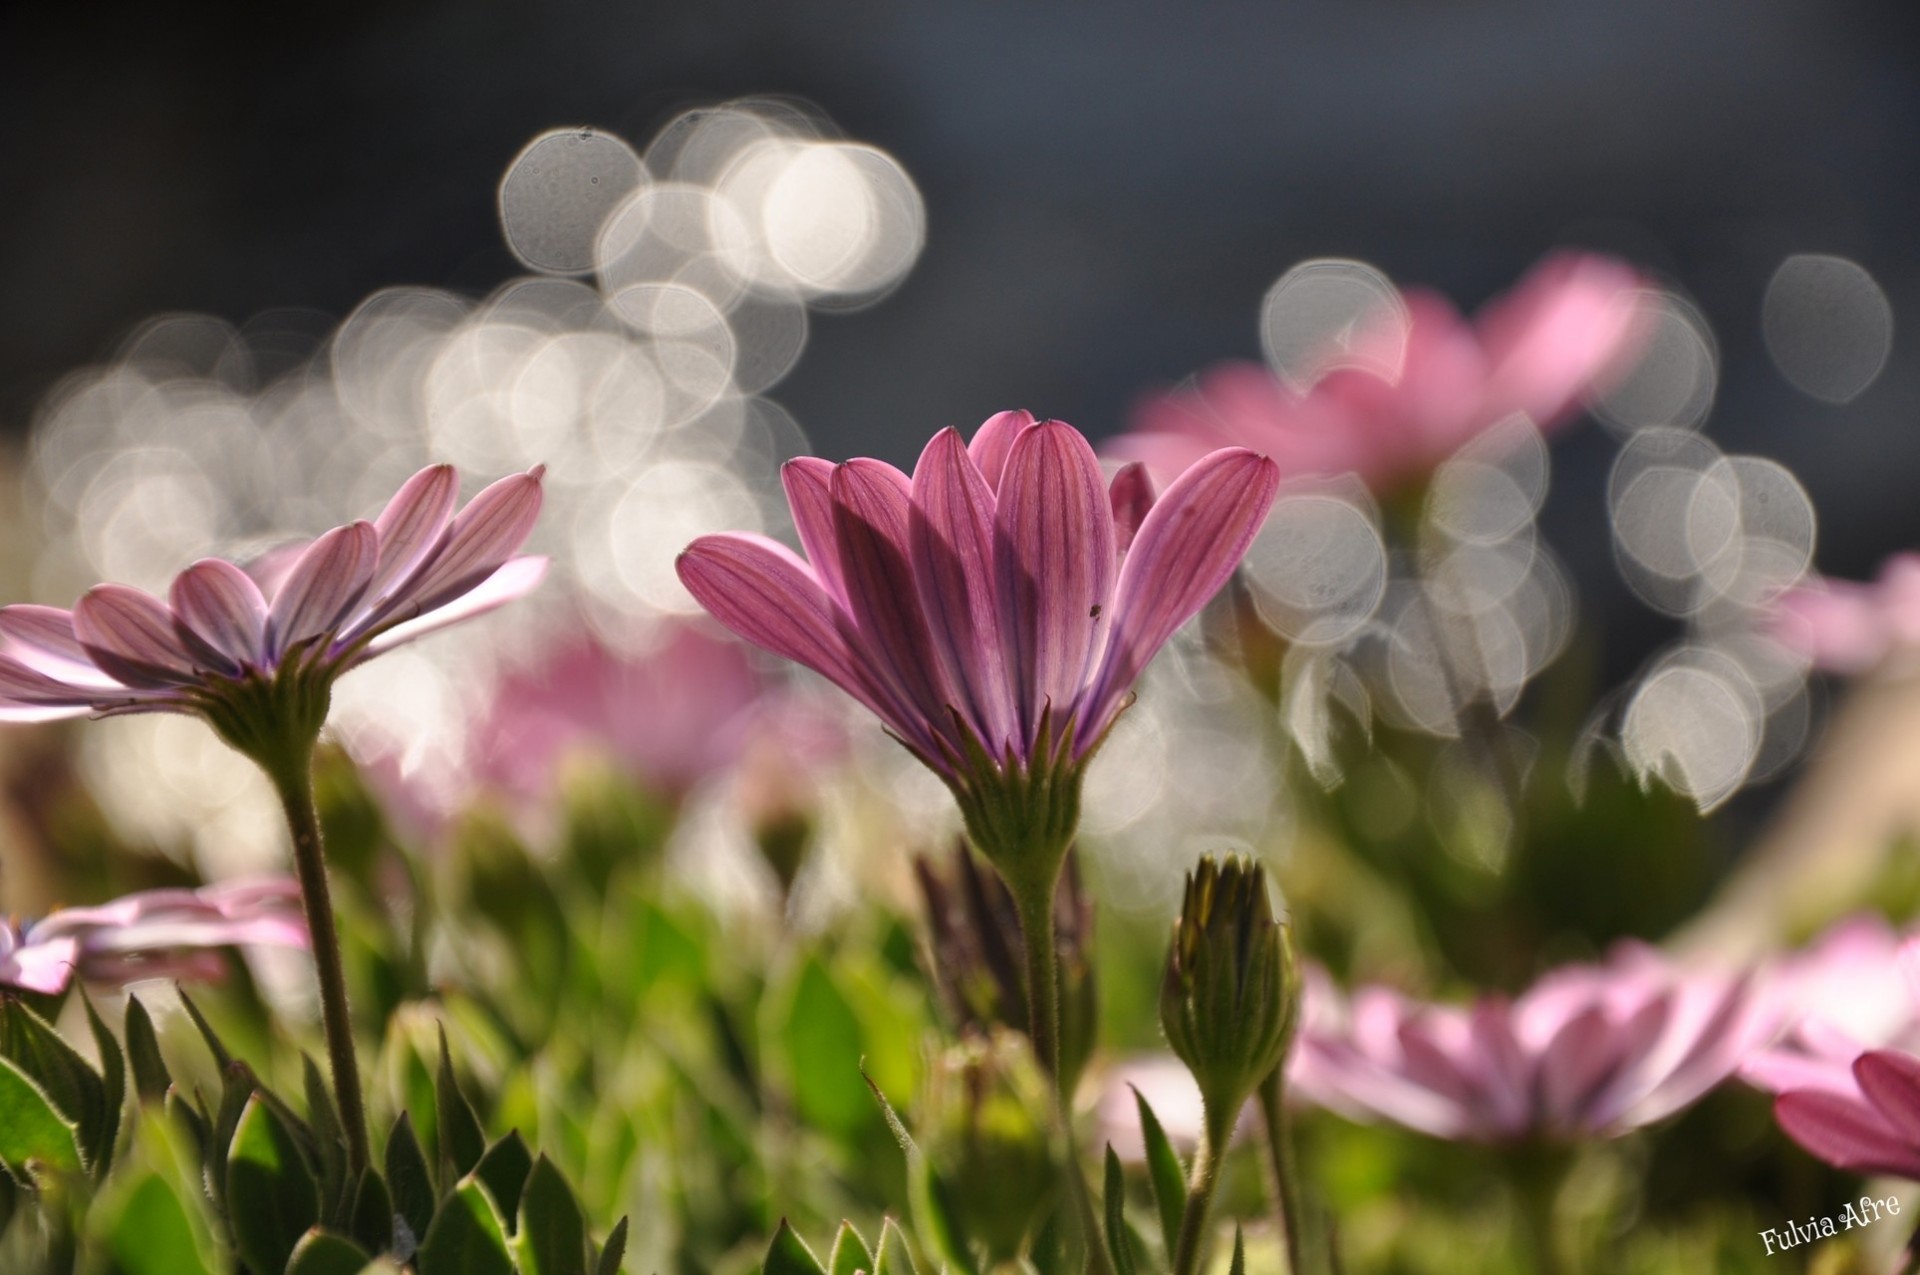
x,y
1567,328
997,605
1855,988
1590,1051
1848,627
314,610
152,934
670,717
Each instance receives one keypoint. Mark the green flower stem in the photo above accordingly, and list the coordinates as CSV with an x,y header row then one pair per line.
x,y
1537,1178
1286,1172
1205,1177
294,782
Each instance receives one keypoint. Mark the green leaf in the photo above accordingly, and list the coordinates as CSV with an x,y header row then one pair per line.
x,y
9,1201
552,1237
1118,1241
221,1057
324,1253
329,1144
461,1141
467,1237
895,1258
929,1198
615,1250
148,1231
411,1184
150,1077
272,1197
504,1169
372,1223
31,1130
113,1081
234,1098
1164,1174
68,1081
850,1252
1239,1266
821,1045
789,1255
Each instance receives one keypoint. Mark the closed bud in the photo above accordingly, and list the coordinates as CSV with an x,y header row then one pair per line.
x,y
1231,995
974,948
988,1132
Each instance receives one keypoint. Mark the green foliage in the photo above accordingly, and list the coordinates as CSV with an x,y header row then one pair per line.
x,y
272,1194
467,1236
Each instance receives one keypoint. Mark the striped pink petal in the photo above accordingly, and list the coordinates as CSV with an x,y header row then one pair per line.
x,y
328,581
951,531
130,635
1890,1080
993,443
1186,548
218,607
1054,564
1131,496
1848,1133
28,695
478,542
42,638
809,485
410,528
514,580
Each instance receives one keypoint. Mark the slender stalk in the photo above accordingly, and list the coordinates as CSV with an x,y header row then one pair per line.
x,y
1536,1185
295,785
1280,1160
1200,1184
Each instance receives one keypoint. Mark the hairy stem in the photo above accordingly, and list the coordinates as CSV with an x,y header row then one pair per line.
x,y
1286,1172
1200,1184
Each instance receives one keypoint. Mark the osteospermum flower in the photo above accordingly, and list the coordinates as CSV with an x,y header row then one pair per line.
x,y
1403,397
1589,1051
1856,988
282,627
1848,627
995,608
151,934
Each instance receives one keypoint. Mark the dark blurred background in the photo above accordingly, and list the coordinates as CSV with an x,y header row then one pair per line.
x,y
1110,189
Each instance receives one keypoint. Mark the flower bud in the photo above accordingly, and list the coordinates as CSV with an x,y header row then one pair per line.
x,y
988,1133
974,941
1231,995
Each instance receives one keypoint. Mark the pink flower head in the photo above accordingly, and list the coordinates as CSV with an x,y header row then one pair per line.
x,y
152,934
307,612
1589,1051
1855,988
1848,627
995,608
670,718
1864,1115
1392,414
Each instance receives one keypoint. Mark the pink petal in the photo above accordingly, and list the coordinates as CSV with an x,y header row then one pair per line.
x,y
28,695
1131,495
872,504
327,581
764,593
1185,550
478,542
1847,1133
42,638
219,607
1568,325
993,443
1891,1082
952,543
513,580
44,967
410,528
130,635
1054,564
809,484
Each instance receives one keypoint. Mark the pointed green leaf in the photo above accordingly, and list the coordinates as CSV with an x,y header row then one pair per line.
x,y
370,1216
1118,1241
1239,1266
1048,1252
789,1255
467,1236
191,1119
67,1080
329,1144
461,1141
221,1057
324,1253
895,1257
150,1077
113,1081
147,1230
821,1043
614,1252
552,1237
272,1197
411,1185
234,1097
928,1194
1164,1174
504,1169
850,1252
30,1129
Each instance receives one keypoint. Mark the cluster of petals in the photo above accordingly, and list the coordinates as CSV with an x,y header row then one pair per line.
x,y
324,606
1849,627
1589,1051
1851,990
1004,596
153,934
1406,394
1865,1119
